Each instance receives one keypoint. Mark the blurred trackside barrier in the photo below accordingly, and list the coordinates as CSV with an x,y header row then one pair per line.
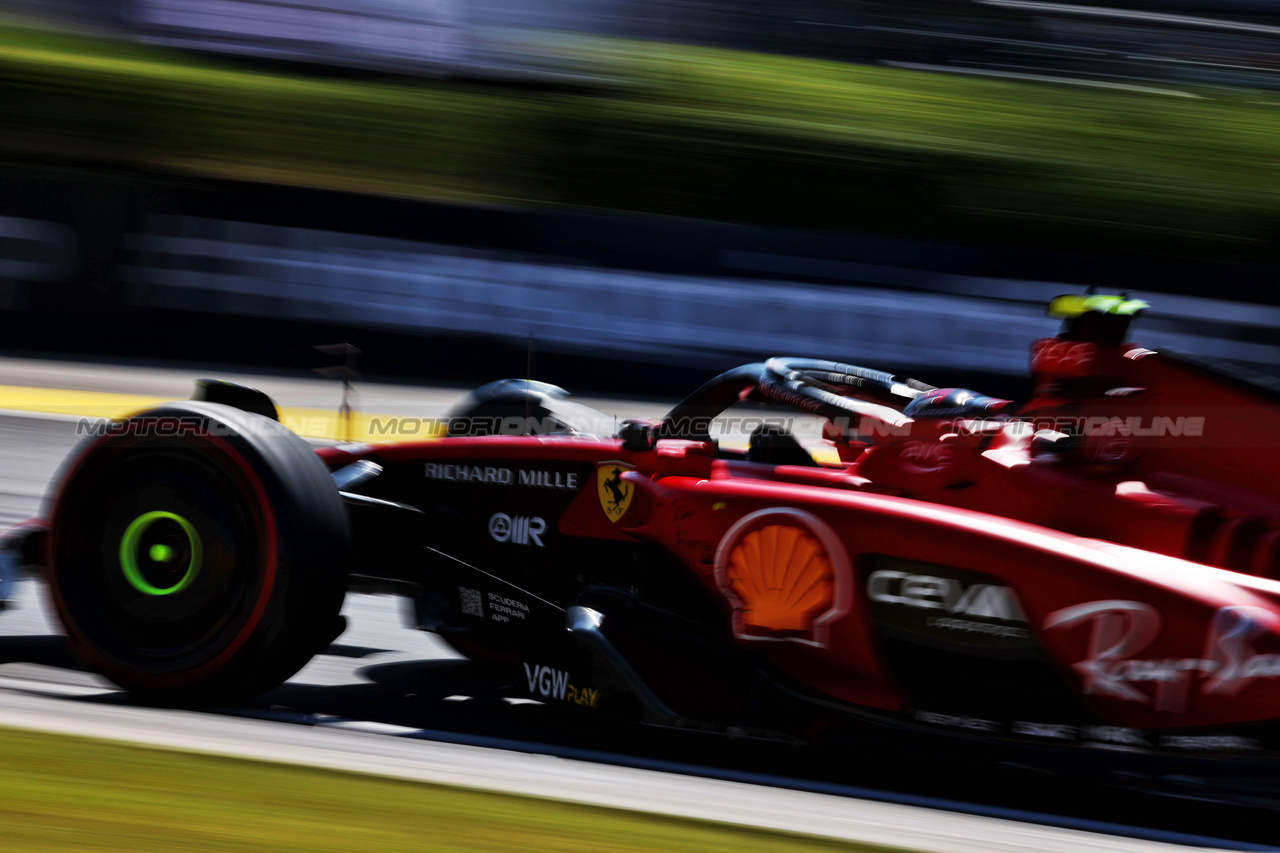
x,y
1229,42
966,322
98,254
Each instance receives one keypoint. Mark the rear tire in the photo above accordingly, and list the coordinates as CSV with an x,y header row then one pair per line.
x,y
197,553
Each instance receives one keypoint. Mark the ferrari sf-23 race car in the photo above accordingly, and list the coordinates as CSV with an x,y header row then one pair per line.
x,y
1093,572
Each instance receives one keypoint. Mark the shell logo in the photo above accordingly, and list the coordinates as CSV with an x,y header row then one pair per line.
x,y
786,575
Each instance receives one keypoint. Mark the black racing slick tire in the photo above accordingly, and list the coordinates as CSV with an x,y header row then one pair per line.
x,y
197,553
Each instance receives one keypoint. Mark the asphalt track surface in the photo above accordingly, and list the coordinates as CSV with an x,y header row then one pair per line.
x,y
390,700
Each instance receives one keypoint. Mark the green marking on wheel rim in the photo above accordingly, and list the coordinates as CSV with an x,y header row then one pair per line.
x,y
158,553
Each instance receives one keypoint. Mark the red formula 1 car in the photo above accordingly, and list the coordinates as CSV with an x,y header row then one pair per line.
x,y
1093,571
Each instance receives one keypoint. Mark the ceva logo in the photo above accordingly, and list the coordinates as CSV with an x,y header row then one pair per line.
x,y
978,601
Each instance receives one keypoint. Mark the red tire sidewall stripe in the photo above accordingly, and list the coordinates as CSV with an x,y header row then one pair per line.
x,y
264,595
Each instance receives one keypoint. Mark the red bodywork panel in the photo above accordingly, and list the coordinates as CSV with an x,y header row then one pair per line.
x,y
1125,523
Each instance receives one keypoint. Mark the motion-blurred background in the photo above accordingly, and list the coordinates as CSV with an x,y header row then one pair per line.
x,y
668,187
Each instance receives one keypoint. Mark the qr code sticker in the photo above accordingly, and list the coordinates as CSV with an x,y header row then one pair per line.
x,y
472,603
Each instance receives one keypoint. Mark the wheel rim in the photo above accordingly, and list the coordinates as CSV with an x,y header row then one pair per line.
x,y
160,553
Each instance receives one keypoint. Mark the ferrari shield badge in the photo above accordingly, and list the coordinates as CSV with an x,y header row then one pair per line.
x,y
614,492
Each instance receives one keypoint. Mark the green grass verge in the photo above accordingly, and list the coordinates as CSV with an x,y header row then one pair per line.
x,y
61,793
687,131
